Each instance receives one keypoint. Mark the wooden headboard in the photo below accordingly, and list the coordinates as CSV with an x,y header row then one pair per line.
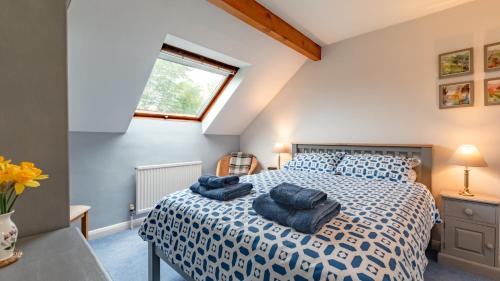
x,y
424,152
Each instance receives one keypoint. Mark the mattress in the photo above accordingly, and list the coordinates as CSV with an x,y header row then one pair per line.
x,y
381,232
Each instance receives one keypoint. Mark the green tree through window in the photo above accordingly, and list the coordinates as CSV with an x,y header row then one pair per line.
x,y
178,89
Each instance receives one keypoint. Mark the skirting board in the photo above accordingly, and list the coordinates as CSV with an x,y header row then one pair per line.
x,y
110,229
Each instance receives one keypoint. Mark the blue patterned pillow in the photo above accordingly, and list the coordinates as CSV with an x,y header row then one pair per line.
x,y
370,166
318,162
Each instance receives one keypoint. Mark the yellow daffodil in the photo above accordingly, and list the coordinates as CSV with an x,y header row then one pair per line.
x,y
25,175
3,163
4,177
27,165
14,179
3,170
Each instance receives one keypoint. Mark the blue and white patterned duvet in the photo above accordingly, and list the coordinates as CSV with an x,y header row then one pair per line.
x,y
381,233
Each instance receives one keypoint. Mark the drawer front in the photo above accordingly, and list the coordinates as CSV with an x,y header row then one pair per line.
x,y
470,241
471,211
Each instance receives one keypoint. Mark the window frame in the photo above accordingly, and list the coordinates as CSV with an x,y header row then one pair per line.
x,y
201,59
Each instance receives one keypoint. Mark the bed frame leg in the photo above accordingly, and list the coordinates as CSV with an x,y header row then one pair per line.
x,y
153,263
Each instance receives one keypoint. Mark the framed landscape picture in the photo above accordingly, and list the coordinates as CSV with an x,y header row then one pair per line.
x,y
456,95
492,57
492,91
456,63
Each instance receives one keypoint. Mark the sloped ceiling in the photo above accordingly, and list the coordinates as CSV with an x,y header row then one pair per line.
x,y
329,21
113,45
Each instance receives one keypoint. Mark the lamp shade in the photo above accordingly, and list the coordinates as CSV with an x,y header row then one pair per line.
x,y
469,156
279,148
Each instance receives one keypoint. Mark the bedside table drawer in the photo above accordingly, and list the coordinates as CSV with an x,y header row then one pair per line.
x,y
472,211
470,241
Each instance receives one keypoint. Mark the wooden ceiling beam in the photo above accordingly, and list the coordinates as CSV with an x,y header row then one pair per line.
x,y
258,16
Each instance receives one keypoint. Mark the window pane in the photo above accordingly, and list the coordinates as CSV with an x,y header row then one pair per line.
x,y
178,89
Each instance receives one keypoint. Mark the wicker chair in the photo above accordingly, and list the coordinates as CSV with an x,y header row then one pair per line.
x,y
223,166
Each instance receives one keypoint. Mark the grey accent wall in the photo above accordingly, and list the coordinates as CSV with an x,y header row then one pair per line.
x,y
382,87
102,164
33,106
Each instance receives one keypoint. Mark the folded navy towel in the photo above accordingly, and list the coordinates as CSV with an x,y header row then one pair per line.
x,y
296,196
306,221
204,179
229,192
195,187
218,182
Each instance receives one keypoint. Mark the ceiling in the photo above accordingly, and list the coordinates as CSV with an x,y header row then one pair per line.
x,y
113,45
330,21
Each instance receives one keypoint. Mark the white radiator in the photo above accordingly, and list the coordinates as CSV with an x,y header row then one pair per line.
x,y
155,181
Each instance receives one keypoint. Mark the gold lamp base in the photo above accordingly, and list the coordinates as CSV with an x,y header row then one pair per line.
x,y
466,192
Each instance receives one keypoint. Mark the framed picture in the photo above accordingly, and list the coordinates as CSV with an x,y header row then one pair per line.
x,y
456,95
492,91
456,63
492,57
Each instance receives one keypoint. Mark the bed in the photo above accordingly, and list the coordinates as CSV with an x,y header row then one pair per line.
x,y
381,232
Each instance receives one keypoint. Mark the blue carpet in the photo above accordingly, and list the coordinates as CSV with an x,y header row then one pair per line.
x,y
124,255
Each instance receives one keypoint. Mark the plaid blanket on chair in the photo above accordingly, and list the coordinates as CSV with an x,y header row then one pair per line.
x,y
240,163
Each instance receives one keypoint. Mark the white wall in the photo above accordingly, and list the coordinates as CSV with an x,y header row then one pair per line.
x,y
102,165
382,87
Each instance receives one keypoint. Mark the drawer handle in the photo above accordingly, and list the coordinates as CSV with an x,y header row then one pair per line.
x,y
468,212
489,246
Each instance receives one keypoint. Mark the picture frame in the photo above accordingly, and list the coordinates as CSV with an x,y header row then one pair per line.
x,y
492,91
492,57
458,94
456,63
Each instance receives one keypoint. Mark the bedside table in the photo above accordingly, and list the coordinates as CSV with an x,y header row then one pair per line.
x,y
470,235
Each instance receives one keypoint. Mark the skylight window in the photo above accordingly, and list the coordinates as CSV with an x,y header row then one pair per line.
x,y
183,85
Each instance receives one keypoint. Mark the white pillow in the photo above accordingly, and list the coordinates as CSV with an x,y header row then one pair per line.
x,y
318,162
373,166
414,162
412,176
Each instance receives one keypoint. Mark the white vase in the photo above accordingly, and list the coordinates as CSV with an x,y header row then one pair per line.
x,y
8,236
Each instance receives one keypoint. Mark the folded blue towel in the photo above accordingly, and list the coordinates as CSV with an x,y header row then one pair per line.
x,y
204,179
229,192
218,182
297,197
195,187
306,221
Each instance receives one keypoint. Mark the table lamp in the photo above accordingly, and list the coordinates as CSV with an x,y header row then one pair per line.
x,y
469,156
279,148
